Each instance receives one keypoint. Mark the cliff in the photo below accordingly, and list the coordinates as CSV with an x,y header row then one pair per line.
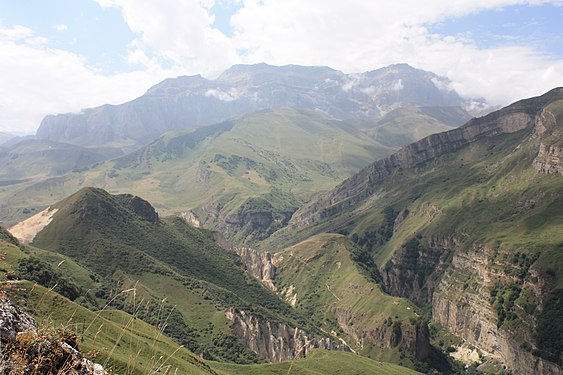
x,y
258,264
275,341
469,293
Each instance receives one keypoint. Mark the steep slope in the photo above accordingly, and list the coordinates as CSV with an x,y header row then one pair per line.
x,y
124,245
190,102
319,277
469,223
244,177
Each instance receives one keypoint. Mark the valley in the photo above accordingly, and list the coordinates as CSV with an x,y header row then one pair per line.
x,y
293,220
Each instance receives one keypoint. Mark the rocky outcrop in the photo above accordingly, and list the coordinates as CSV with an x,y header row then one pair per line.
x,y
258,264
276,341
13,321
350,193
414,338
139,206
25,350
549,160
190,218
550,154
410,273
462,304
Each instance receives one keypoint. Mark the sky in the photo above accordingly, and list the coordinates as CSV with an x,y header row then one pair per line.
x,y
59,56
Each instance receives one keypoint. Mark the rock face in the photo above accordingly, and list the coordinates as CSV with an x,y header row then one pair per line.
x,y
19,338
189,102
259,265
414,338
274,341
13,321
351,192
457,285
190,218
139,206
549,160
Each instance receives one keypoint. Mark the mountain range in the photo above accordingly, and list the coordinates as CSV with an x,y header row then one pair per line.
x,y
193,101
377,224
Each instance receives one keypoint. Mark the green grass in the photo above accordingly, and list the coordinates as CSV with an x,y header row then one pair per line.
x,y
283,156
316,363
332,290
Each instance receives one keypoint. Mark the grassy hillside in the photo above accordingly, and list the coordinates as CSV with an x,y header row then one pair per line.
x,y
36,159
318,362
112,243
409,124
322,280
251,173
485,203
120,341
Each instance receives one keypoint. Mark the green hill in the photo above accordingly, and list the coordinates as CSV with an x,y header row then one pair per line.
x,y
244,177
409,124
467,223
112,243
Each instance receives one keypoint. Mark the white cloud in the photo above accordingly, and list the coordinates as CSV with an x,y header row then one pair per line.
x,y
178,33
364,35
43,81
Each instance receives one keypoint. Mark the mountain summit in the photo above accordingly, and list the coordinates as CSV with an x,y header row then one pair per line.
x,y
194,101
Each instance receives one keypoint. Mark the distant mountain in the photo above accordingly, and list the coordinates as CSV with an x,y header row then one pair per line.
x,y
40,158
244,177
190,102
467,223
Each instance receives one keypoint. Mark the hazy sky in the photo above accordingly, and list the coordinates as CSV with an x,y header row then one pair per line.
x,y
64,55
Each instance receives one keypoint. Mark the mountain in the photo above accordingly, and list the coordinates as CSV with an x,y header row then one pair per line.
x,y
193,101
34,159
115,253
467,223
244,177
120,243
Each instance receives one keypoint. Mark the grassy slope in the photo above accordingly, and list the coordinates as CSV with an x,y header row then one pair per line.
x,y
319,362
409,124
328,284
165,260
122,342
285,154
130,346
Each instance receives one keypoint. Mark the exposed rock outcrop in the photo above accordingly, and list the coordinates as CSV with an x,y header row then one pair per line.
x,y
139,206
549,160
457,284
13,321
414,338
26,351
276,341
259,265
190,218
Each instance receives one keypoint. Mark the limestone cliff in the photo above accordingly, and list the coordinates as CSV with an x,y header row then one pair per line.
x,y
276,341
459,286
414,338
259,265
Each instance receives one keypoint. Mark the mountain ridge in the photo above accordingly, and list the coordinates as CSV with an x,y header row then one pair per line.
x,y
193,101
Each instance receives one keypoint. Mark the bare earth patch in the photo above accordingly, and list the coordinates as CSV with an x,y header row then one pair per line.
x,y
26,230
